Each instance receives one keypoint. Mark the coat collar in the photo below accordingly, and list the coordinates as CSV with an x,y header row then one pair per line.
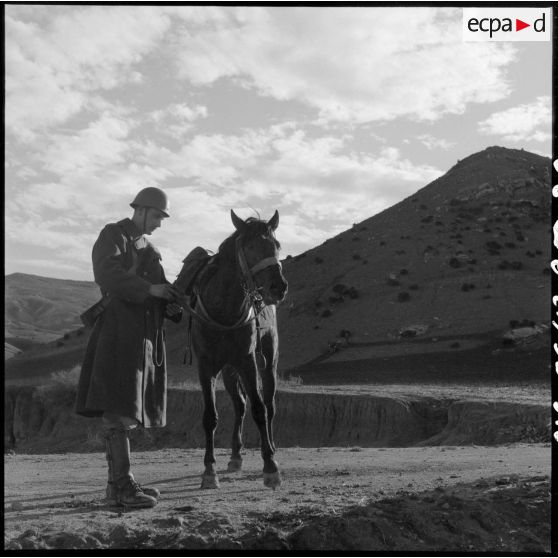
x,y
130,229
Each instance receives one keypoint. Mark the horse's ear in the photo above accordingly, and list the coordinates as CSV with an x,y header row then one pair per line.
x,y
274,221
238,223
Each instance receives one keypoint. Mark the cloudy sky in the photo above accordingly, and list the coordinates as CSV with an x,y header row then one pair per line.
x,y
329,115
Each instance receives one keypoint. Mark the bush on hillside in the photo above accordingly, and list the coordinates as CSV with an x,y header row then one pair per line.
x,y
340,288
523,323
504,265
493,245
66,378
455,263
466,287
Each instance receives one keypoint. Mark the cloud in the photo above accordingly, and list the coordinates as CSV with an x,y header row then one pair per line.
x,y
252,108
286,164
53,65
327,181
178,119
434,143
56,237
319,185
88,151
527,122
349,64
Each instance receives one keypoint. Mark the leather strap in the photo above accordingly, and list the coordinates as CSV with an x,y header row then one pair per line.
x,y
266,262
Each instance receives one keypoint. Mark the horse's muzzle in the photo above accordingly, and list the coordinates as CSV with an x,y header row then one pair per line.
x,y
276,293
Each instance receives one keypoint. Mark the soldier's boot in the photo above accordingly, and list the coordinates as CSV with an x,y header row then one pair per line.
x,y
111,490
122,487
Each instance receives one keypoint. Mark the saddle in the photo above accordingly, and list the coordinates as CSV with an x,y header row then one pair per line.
x,y
192,265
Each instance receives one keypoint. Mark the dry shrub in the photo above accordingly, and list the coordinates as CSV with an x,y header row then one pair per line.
x,y
66,378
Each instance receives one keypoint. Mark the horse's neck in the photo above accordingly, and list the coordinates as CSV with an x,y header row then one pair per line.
x,y
223,295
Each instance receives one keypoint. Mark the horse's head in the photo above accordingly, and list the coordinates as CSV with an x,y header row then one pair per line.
x,y
258,253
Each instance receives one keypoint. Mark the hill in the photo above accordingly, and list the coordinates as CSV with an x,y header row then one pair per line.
x,y
466,254
10,351
41,309
442,274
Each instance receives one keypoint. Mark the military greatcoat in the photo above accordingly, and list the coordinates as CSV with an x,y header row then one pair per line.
x,y
124,368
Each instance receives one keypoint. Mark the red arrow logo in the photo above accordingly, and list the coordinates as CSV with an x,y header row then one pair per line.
x,y
519,25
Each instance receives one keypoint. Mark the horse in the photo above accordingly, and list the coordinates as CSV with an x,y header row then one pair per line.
x,y
234,331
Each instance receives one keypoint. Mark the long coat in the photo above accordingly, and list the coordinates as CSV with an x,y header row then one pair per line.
x,y
124,368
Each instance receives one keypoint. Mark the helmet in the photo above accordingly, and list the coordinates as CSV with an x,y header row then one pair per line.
x,y
152,197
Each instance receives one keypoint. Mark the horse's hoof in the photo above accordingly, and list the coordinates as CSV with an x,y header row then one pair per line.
x,y
272,480
210,481
234,466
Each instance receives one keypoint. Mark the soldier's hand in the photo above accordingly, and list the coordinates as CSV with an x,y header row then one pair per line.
x,y
173,309
164,290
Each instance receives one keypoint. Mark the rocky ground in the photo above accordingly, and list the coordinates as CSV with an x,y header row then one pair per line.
x,y
448,498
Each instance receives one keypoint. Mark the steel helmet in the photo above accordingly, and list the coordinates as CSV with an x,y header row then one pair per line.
x,y
152,197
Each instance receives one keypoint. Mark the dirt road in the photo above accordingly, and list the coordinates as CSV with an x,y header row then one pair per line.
x,y
427,498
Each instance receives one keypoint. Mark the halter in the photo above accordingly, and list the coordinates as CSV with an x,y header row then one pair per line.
x,y
250,289
248,283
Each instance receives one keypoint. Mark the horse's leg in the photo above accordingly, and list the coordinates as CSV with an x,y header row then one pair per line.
x,y
207,381
238,397
249,373
269,382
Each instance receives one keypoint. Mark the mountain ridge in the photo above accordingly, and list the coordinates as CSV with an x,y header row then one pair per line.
x,y
467,253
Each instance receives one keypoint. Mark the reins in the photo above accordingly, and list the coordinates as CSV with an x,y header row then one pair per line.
x,y
204,316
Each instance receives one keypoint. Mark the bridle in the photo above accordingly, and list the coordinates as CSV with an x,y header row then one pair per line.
x,y
248,283
251,292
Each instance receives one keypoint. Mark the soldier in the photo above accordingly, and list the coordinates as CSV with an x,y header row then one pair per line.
x,y
123,377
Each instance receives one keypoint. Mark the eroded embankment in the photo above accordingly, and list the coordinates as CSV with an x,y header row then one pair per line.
x,y
42,420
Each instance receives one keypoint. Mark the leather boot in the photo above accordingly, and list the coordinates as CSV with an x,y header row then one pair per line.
x,y
111,490
121,486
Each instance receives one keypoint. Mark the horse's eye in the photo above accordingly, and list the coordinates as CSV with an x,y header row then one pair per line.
x,y
263,236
